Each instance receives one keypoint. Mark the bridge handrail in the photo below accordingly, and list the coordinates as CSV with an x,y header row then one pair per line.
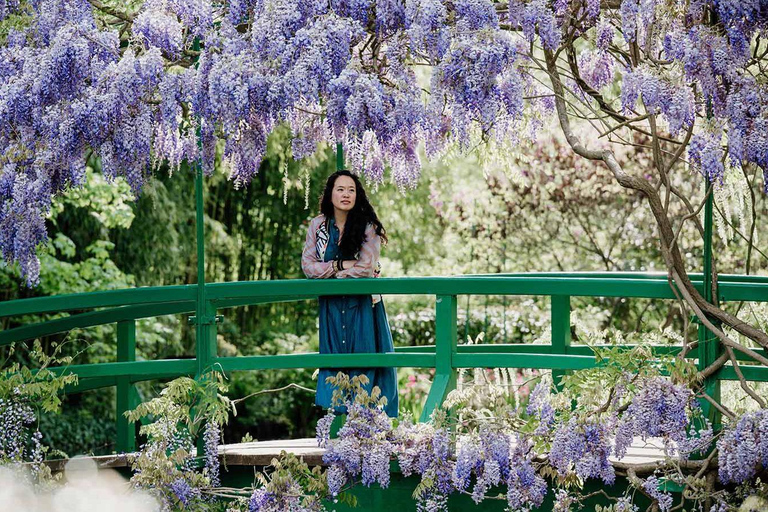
x,y
650,285
124,307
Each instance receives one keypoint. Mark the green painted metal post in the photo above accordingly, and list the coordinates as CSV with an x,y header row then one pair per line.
x,y
339,156
561,330
205,313
446,334
126,392
709,346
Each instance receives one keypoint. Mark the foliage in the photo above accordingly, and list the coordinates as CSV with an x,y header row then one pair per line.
x,y
285,487
500,320
166,463
24,395
83,426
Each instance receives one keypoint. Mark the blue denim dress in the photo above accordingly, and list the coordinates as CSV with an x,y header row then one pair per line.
x,y
352,324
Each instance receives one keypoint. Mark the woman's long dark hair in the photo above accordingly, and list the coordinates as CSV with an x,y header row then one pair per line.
x,y
358,218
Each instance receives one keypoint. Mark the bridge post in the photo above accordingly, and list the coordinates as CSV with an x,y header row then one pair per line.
x,y
709,345
445,351
205,313
560,318
127,396
205,343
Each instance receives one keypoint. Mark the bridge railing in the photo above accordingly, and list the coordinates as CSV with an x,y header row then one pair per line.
x,y
125,307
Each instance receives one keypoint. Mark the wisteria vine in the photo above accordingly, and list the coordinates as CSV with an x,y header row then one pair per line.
x,y
81,80
533,456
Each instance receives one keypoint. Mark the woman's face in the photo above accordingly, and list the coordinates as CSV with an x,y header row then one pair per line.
x,y
344,193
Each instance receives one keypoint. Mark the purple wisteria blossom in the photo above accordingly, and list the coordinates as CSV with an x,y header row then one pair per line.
x,y
161,29
651,487
212,437
662,409
629,11
362,450
706,153
261,501
184,492
16,417
743,448
526,489
486,458
340,71
583,447
426,28
624,504
540,406
8,7
596,68
605,34
323,431
425,450
537,18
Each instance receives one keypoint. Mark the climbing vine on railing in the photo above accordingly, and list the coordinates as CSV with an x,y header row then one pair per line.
x,y
480,444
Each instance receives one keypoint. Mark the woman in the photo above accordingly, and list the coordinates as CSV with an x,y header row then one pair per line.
x,y
344,241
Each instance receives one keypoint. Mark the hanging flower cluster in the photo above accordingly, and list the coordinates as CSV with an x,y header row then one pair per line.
x,y
529,453
381,76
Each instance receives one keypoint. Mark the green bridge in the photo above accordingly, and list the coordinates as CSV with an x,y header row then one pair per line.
x,y
125,307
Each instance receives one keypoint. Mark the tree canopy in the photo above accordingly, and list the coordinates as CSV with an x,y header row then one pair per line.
x,y
136,84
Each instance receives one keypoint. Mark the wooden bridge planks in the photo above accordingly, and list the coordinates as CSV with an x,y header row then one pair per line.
x,y
261,453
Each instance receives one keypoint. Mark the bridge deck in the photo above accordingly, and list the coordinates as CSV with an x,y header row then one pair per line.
x,y
261,453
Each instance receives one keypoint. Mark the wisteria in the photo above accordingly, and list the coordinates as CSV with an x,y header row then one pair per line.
x,y
501,449
651,487
212,436
184,492
339,71
540,406
161,29
486,458
663,409
16,417
490,455
363,449
583,447
526,489
705,151
743,448
424,449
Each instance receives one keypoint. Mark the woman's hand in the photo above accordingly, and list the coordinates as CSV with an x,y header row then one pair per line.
x,y
347,264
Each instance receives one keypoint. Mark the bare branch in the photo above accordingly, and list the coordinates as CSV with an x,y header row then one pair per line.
x,y
623,124
714,367
717,405
742,381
